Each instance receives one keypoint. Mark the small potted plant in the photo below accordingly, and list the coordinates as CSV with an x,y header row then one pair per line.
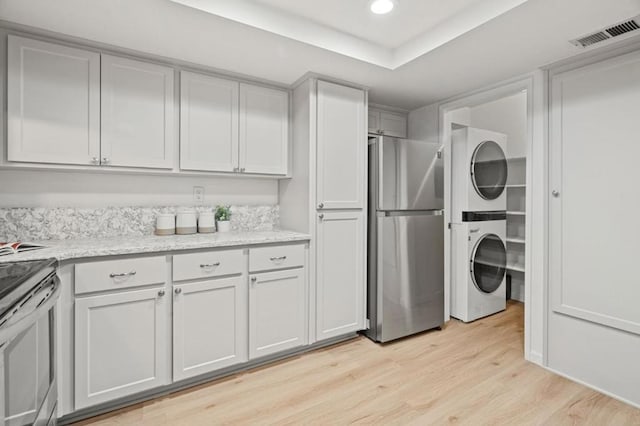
x,y
223,214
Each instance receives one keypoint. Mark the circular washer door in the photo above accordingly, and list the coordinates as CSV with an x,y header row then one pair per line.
x,y
488,263
489,170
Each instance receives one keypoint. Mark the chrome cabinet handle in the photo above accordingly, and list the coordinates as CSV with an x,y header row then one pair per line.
x,y
321,206
254,279
235,169
123,274
178,290
555,193
321,216
95,160
106,160
209,265
242,170
277,259
474,230
161,293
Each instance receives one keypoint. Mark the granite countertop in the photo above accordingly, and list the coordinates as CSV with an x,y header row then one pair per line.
x,y
95,247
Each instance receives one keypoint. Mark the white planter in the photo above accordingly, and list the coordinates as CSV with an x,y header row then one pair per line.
x,y
223,225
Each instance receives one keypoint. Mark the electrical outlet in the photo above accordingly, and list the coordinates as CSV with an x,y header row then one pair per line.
x,y
198,194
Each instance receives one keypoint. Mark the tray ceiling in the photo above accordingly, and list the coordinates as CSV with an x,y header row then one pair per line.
x,y
412,29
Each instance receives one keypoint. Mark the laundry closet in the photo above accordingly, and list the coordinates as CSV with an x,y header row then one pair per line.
x,y
488,205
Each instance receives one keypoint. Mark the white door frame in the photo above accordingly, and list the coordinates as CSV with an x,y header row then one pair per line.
x,y
534,84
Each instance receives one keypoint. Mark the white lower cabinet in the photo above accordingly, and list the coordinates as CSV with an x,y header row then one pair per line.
x,y
131,330
277,313
209,326
340,280
120,344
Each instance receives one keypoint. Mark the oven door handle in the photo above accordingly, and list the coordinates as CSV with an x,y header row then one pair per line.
x,y
37,306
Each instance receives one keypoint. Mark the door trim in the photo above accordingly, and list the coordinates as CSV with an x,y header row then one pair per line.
x,y
535,84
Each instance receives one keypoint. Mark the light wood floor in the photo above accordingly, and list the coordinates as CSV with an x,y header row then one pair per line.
x,y
471,374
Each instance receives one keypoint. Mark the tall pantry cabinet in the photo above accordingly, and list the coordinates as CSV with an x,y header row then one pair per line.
x,y
326,198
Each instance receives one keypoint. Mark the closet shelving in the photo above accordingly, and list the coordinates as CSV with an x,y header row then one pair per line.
x,y
516,219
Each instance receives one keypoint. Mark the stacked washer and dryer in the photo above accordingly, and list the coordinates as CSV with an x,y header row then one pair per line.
x,y
479,226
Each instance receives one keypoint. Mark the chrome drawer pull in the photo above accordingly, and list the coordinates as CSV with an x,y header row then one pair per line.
x,y
277,259
209,265
123,274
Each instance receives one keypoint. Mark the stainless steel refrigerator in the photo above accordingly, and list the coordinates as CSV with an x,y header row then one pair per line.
x,y
406,237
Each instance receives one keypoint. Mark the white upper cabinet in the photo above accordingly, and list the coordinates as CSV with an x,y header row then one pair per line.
x,y
393,124
341,135
137,114
387,123
264,130
208,123
53,103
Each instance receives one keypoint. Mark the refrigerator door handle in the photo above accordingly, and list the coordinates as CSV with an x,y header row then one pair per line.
x,y
394,213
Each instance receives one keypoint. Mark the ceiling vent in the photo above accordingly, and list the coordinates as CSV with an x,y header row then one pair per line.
x,y
608,33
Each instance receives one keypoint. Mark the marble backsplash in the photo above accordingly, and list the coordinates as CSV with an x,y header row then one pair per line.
x,y
59,223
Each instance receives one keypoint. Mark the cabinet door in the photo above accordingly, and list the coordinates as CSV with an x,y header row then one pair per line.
x,y
137,114
264,130
53,103
277,312
209,326
373,121
340,274
120,345
27,377
341,147
393,124
208,123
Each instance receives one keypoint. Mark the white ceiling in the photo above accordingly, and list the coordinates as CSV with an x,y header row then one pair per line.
x,y
412,29
524,38
409,18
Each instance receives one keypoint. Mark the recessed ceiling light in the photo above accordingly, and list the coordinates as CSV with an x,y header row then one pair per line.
x,y
380,7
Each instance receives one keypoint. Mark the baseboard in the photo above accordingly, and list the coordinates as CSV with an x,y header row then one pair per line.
x,y
535,357
595,388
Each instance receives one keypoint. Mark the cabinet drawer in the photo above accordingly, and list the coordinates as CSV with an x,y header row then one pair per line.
x,y
119,274
207,264
276,257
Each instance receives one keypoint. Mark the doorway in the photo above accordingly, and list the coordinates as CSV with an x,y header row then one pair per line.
x,y
508,109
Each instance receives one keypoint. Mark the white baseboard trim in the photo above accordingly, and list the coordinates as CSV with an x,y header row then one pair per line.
x,y
535,357
595,388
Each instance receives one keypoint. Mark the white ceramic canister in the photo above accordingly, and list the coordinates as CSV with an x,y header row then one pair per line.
x,y
223,225
165,224
186,222
206,223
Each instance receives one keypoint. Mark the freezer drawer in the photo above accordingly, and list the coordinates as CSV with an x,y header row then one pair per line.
x,y
409,276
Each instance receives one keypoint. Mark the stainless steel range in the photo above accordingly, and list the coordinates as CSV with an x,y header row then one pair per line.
x,y
28,293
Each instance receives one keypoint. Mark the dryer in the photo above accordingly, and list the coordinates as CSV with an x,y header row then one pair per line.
x,y
479,171
478,280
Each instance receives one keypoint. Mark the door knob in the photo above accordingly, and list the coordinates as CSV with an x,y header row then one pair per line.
x,y
555,193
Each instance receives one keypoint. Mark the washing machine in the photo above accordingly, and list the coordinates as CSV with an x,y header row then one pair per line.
x,y
479,171
479,277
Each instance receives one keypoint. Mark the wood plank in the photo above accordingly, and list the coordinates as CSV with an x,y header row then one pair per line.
x,y
467,373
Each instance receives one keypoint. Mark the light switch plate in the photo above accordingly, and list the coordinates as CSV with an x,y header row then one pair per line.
x,y
198,194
